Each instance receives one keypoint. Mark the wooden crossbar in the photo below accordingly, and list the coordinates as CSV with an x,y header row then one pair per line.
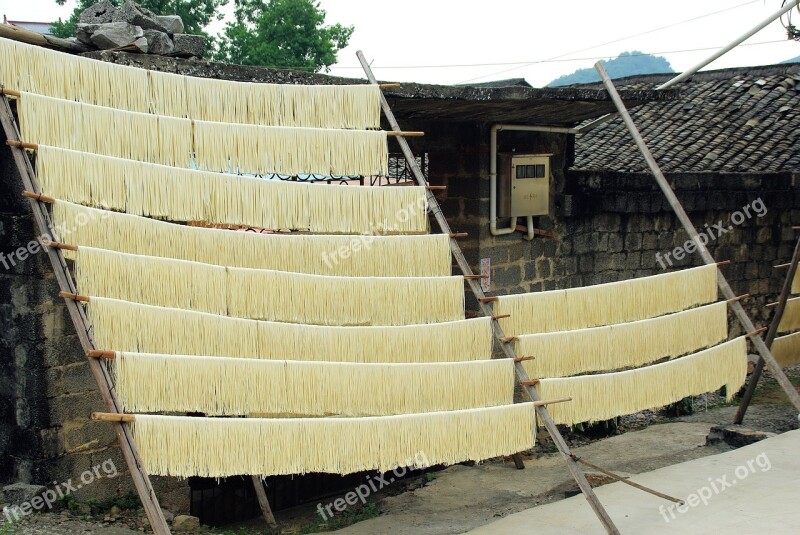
x,y
677,207
475,286
45,228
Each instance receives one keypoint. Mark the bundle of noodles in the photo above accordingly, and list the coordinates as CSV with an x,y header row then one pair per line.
x,y
348,106
605,396
126,326
174,194
222,447
88,128
357,256
269,295
624,345
786,349
30,68
605,304
289,150
219,386
790,320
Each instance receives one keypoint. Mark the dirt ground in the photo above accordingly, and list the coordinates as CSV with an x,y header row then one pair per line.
x,y
460,498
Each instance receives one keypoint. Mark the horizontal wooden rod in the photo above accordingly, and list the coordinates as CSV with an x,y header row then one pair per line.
x,y
475,277
113,417
509,339
532,382
97,354
22,144
779,266
435,188
388,86
459,234
756,332
625,480
10,93
523,359
723,263
501,316
63,246
405,134
74,297
770,305
488,299
551,401
795,228
38,197
733,300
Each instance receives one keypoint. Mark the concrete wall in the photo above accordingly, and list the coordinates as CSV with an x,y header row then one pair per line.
x,y
47,392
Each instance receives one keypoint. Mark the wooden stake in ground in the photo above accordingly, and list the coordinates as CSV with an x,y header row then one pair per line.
x,y
727,292
773,331
475,286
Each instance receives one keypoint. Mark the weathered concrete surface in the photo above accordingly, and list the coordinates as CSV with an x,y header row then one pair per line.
x,y
761,498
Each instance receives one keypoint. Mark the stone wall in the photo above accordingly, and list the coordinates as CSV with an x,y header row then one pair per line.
x,y
47,392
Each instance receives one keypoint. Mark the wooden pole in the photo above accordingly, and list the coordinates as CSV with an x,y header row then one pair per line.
x,y
435,188
10,93
38,197
45,228
736,306
263,502
488,299
543,402
771,334
97,354
75,297
22,145
113,417
405,134
507,349
627,482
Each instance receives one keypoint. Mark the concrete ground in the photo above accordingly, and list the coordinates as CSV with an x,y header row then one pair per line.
x,y
753,489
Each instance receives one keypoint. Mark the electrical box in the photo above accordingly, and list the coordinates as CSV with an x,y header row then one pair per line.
x,y
530,184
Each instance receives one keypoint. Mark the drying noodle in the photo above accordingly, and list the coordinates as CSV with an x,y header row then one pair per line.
x,y
605,396
222,447
786,349
790,320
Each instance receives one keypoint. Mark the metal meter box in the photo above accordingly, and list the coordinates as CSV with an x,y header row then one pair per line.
x,y
530,184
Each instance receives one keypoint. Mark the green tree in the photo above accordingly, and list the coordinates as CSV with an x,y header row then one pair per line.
x,y
196,14
281,33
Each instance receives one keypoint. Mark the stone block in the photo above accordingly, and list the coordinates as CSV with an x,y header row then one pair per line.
x,y
116,35
99,13
172,23
185,524
135,15
187,45
83,32
19,493
736,435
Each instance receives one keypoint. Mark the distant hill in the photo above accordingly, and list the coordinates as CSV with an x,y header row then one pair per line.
x,y
793,60
626,64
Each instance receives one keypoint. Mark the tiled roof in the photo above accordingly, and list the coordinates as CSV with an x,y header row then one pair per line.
x,y
734,120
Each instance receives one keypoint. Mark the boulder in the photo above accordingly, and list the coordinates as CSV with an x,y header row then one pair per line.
x,y
735,435
98,13
141,44
173,23
187,45
19,493
116,35
158,43
137,16
185,523
84,32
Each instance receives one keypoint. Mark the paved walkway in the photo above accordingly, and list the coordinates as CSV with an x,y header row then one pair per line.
x,y
751,490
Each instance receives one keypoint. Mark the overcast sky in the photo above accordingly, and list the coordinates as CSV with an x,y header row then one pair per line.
x,y
441,41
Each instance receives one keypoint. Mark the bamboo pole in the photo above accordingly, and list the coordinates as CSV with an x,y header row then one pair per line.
x,y
507,349
98,354
786,290
737,308
501,316
628,482
38,197
543,402
488,299
10,93
435,188
74,297
459,235
62,246
734,299
389,86
45,228
405,134
523,359
21,144
113,417
263,502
